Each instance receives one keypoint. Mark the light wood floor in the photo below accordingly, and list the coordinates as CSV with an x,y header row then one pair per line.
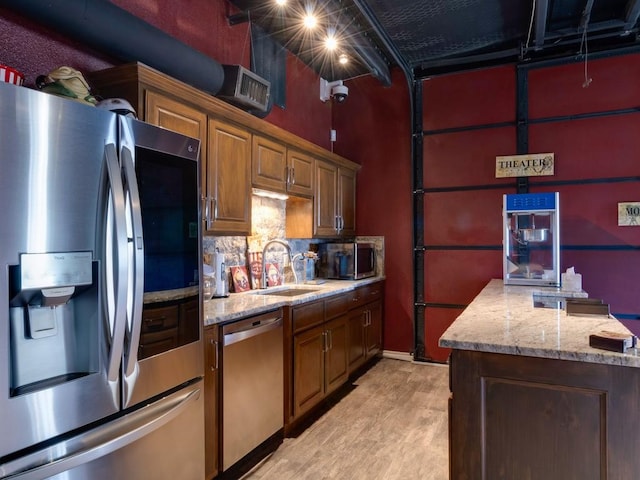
x,y
393,425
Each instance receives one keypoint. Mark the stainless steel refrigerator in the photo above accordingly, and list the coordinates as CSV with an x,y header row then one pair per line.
x,y
101,361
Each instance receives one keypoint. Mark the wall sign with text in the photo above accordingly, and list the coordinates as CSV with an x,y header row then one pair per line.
x,y
531,165
629,214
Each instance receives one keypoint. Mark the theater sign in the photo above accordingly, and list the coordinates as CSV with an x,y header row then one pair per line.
x,y
530,165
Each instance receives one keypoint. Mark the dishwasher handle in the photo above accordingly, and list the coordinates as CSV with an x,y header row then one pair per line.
x,y
250,328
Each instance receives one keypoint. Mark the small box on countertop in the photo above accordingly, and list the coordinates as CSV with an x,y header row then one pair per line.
x,y
612,341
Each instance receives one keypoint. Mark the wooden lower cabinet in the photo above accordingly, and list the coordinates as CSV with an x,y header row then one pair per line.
x,y
211,413
365,325
319,354
336,370
320,363
539,418
168,325
365,334
373,330
329,340
357,353
308,368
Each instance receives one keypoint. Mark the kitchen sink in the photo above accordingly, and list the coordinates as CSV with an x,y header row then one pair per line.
x,y
288,292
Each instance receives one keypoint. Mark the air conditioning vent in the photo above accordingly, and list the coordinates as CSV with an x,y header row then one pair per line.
x,y
245,89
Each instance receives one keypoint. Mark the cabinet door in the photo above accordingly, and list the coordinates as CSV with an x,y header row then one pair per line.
x,y
325,200
229,180
308,367
269,165
336,361
173,115
347,202
357,350
301,172
373,331
211,401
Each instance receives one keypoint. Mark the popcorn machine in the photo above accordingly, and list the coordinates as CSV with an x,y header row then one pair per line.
x,y
531,243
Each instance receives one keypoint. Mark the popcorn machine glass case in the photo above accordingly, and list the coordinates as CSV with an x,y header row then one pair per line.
x,y
531,240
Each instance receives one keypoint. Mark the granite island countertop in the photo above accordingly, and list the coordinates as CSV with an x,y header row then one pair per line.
x,y
503,319
255,302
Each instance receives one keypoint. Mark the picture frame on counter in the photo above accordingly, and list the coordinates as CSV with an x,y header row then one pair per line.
x,y
240,279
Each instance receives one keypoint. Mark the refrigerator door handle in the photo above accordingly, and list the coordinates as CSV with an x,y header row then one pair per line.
x,y
118,285
98,442
137,269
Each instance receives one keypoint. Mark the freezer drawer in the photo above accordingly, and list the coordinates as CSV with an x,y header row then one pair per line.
x,y
162,441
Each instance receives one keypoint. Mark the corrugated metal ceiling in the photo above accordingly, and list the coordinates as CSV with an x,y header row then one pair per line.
x,y
431,37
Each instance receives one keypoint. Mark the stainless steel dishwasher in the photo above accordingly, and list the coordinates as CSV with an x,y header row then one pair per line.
x,y
252,385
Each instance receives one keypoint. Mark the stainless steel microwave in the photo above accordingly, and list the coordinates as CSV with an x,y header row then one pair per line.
x,y
350,261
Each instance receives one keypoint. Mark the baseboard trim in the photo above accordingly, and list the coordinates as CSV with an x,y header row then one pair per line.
x,y
405,356
408,357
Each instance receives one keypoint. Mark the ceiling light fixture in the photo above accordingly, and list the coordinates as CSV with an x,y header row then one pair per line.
x,y
343,58
281,2
331,43
309,20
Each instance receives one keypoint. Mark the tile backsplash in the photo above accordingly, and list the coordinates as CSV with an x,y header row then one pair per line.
x,y
268,223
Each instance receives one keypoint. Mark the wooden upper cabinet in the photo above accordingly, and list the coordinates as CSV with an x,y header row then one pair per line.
x,y
245,150
228,189
225,159
325,208
347,202
177,116
269,165
301,169
278,169
334,206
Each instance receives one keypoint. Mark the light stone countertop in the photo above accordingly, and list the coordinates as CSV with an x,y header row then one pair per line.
x,y
255,302
502,319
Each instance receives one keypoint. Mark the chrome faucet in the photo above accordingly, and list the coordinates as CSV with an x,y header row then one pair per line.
x,y
264,256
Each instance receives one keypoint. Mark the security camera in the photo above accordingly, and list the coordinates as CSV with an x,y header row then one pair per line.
x,y
340,93
336,90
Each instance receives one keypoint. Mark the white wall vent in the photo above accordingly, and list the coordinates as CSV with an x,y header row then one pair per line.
x,y
245,89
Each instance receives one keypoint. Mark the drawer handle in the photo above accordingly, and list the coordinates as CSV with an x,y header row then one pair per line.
x,y
155,322
214,346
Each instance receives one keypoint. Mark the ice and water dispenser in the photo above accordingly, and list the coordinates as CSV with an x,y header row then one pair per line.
x,y
53,304
531,243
